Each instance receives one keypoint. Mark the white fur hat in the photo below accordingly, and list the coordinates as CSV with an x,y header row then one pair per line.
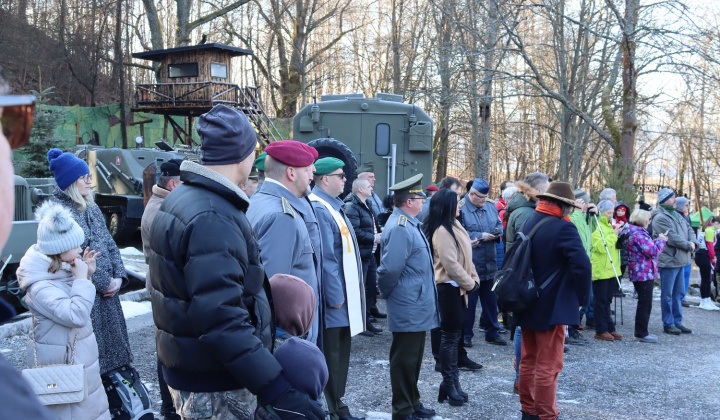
x,y
57,229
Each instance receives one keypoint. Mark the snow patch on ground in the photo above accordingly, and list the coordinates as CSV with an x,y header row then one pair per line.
x,y
130,252
5,350
381,362
133,309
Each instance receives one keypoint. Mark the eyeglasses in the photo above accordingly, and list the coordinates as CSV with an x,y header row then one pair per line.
x,y
87,178
481,197
341,175
17,118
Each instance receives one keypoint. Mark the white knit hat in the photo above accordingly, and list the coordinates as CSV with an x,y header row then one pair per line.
x,y
57,229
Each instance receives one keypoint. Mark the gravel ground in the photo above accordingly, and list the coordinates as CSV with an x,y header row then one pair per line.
x,y
674,379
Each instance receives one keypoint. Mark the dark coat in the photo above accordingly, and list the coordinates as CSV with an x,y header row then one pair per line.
x,y
362,220
210,295
557,245
107,316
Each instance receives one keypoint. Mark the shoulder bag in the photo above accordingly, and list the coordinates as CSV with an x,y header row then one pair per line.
x,y
57,384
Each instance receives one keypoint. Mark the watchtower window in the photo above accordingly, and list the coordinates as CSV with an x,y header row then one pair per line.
x,y
382,139
218,70
183,70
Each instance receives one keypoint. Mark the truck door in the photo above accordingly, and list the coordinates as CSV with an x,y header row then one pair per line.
x,y
379,132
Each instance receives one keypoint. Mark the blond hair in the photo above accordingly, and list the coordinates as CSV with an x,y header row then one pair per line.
x,y
640,217
82,202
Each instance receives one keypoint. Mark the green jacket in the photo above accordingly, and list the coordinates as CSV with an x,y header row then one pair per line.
x,y
602,268
584,228
520,210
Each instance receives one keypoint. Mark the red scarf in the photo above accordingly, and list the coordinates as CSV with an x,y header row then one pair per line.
x,y
550,208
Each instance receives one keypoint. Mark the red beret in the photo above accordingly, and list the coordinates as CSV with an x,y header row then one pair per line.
x,y
292,153
432,187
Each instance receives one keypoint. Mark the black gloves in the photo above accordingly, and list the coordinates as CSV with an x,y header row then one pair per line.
x,y
293,404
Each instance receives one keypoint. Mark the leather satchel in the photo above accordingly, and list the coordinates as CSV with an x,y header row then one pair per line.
x,y
57,384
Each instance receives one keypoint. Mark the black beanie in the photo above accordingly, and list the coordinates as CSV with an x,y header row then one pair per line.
x,y
227,136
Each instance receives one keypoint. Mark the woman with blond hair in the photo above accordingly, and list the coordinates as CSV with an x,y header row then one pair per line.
x,y
72,176
643,268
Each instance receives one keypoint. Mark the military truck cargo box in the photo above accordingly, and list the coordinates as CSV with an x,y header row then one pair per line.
x,y
395,138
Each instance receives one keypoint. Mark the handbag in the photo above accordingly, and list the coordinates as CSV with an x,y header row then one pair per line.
x,y
57,384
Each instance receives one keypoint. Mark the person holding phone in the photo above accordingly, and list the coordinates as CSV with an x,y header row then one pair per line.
x,y
484,228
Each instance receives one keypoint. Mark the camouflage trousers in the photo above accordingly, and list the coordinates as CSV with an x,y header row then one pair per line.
x,y
238,404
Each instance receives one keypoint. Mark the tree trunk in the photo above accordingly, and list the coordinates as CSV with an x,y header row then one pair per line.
x,y
629,98
118,71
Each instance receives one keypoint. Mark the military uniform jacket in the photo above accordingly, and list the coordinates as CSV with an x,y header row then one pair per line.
x,y
333,281
406,276
285,226
477,220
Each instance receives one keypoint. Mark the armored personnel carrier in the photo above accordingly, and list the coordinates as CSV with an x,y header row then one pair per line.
x,y
118,182
393,137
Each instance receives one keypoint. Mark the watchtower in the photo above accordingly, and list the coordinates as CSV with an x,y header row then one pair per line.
x,y
192,80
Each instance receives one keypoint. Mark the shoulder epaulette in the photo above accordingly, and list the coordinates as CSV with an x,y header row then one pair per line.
x,y
402,221
462,202
287,208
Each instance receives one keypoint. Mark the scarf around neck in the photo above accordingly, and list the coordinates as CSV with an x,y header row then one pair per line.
x,y
552,209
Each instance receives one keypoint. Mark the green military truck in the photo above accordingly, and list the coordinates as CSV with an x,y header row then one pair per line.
x,y
394,137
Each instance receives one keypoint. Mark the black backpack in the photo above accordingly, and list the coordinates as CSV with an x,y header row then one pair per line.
x,y
515,286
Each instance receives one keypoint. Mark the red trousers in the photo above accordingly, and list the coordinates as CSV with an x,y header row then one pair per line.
x,y
540,364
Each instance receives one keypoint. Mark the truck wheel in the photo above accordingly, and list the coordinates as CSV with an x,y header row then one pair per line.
x,y
120,228
329,147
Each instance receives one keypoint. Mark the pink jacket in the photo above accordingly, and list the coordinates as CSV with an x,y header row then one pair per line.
x,y
643,254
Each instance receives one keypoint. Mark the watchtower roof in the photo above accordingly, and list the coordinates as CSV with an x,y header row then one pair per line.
x,y
158,55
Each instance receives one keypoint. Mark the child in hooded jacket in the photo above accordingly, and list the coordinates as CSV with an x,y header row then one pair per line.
x,y
55,277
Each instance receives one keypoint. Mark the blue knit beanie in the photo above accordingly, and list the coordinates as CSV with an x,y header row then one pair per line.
x,y
66,167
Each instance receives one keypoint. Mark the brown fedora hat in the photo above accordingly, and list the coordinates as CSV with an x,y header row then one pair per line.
x,y
561,191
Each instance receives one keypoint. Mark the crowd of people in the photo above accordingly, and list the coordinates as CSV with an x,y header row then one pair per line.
x,y
260,275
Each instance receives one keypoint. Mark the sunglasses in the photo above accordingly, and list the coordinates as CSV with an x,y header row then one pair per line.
x,y
17,118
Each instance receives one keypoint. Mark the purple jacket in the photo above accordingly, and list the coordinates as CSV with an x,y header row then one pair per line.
x,y
643,253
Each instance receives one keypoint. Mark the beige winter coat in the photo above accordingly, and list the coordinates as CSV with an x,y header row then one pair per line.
x,y
151,209
454,261
61,307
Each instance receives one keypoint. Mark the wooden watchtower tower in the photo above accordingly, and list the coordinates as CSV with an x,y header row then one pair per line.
x,y
193,79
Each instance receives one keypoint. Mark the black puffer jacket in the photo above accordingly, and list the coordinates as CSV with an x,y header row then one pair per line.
x,y
362,219
210,298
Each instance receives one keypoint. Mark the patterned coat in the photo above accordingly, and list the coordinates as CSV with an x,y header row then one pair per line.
x,y
107,315
643,253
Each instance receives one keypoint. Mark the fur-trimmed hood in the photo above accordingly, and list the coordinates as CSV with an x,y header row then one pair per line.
x,y
197,169
529,192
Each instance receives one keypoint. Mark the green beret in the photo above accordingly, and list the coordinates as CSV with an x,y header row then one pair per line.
x,y
260,162
327,165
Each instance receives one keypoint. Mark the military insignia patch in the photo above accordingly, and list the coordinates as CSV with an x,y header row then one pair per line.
x,y
402,221
462,202
287,208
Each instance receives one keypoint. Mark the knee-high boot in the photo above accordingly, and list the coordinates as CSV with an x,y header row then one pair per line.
x,y
448,364
456,371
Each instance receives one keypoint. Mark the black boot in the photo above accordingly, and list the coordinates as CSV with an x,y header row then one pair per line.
x,y
456,374
448,364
